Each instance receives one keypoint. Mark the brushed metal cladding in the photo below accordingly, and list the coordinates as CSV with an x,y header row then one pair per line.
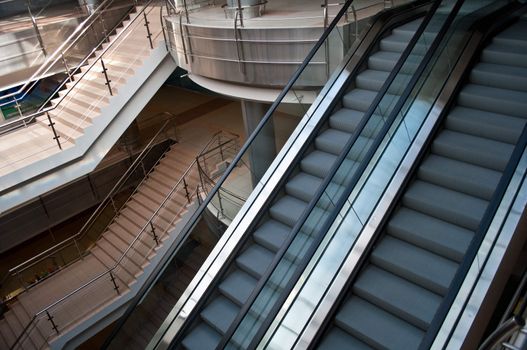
x,y
256,56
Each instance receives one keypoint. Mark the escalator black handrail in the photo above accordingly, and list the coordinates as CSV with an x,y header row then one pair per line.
x,y
355,178
485,223
185,232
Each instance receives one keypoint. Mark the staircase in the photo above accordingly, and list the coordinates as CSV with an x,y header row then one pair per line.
x,y
88,93
105,253
396,295
255,256
89,119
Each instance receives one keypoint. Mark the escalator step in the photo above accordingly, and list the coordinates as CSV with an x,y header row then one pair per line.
x,y
220,314
371,79
359,99
363,320
332,141
452,206
459,176
472,149
318,163
383,60
406,300
287,210
338,339
493,99
255,260
498,127
345,119
271,234
203,337
303,186
500,76
505,54
427,232
238,286
395,42
417,265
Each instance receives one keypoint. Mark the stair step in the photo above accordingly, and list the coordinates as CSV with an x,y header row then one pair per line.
x,y
303,186
122,274
287,210
237,286
438,236
500,76
336,338
417,265
132,262
448,205
220,314
359,99
255,260
396,295
505,54
459,176
363,320
332,141
65,132
472,149
202,337
271,234
346,119
491,99
498,127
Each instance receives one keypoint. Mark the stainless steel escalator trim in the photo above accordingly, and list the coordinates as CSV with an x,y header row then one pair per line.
x,y
485,267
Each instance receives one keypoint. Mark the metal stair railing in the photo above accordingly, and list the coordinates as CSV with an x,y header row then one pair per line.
x,y
59,58
49,313
75,247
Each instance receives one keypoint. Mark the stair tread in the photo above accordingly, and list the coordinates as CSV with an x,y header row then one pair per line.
x,y
417,265
459,176
255,260
472,149
271,234
427,232
499,127
363,320
398,296
448,205
220,314
238,285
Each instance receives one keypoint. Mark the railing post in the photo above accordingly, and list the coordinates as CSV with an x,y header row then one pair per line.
x,y
115,286
240,10
19,109
220,203
37,31
183,39
185,186
113,205
20,280
143,168
154,235
220,146
78,248
186,10
66,66
52,125
148,34
53,325
108,81
325,11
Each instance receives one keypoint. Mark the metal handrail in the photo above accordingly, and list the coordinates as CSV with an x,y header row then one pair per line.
x,y
95,215
43,110
110,270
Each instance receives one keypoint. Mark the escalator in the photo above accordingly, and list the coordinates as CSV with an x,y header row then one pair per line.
x,y
231,307
396,297
241,278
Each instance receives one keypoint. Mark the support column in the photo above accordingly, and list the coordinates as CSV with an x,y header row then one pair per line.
x,y
263,149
